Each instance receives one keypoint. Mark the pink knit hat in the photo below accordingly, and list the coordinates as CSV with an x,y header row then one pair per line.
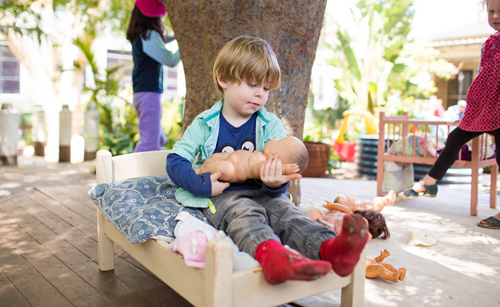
x,y
151,8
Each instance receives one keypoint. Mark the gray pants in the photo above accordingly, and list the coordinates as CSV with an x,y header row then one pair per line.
x,y
251,217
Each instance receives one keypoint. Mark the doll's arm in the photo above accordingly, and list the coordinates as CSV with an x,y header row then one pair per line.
x,y
383,254
333,206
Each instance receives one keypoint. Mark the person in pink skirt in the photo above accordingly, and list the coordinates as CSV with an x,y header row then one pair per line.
x,y
482,114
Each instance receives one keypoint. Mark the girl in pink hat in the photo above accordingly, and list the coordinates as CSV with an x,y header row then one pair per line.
x,y
146,34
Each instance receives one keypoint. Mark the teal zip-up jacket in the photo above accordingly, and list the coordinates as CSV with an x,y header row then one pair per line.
x,y
200,138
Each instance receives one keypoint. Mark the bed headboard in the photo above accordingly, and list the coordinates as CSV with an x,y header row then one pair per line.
x,y
150,163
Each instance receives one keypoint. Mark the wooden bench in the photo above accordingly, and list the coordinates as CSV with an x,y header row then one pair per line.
x,y
394,128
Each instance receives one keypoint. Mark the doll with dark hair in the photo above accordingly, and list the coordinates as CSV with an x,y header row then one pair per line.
x,y
242,165
331,215
334,214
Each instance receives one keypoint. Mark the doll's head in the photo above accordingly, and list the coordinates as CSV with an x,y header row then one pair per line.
x,y
247,58
290,150
376,223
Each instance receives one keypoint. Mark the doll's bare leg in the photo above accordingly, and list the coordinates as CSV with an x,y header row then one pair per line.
x,y
380,202
377,270
402,273
215,166
206,166
347,201
388,267
290,168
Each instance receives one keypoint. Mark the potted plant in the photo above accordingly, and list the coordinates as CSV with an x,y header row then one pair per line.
x,y
319,156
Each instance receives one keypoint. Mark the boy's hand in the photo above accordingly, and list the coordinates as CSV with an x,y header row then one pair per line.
x,y
218,186
271,174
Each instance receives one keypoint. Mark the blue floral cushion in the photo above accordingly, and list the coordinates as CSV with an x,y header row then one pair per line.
x,y
141,207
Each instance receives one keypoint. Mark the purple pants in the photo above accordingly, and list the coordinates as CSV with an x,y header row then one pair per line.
x,y
149,111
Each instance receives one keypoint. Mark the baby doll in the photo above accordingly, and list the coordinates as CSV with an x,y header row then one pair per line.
x,y
242,165
332,215
378,203
375,268
369,209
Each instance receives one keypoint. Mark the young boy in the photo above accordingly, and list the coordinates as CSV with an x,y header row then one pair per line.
x,y
258,216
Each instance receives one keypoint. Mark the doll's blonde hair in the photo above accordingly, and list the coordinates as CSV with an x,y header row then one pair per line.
x,y
247,58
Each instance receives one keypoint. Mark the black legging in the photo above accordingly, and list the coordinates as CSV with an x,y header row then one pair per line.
x,y
456,139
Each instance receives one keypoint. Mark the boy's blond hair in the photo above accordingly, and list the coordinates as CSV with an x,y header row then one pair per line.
x,y
247,58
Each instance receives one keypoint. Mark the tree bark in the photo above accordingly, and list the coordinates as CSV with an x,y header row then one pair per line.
x,y
202,27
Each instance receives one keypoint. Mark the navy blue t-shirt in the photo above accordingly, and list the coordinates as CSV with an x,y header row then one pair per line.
x,y
235,138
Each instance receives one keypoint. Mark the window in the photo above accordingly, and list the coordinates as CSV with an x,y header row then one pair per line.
x,y
9,71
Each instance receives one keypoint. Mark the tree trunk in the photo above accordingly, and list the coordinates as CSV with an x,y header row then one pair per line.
x,y
291,27
202,27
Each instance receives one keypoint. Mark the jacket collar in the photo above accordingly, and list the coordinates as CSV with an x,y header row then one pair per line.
x,y
209,115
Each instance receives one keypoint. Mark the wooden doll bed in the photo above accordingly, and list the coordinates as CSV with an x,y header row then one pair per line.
x,y
394,128
217,285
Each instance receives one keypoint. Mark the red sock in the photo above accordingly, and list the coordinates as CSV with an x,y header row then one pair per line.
x,y
279,264
344,250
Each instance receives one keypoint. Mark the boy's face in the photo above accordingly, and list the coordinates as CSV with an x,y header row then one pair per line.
x,y
494,14
243,99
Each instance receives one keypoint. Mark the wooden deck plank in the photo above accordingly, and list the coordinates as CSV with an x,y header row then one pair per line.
x,y
25,277
65,214
65,195
9,294
55,222
60,265
139,279
80,193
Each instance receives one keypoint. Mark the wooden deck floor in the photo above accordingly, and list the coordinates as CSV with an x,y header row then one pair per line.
x,y
48,256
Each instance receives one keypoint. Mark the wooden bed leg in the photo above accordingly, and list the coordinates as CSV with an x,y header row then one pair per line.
x,y
218,273
380,153
493,185
354,293
474,197
105,247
